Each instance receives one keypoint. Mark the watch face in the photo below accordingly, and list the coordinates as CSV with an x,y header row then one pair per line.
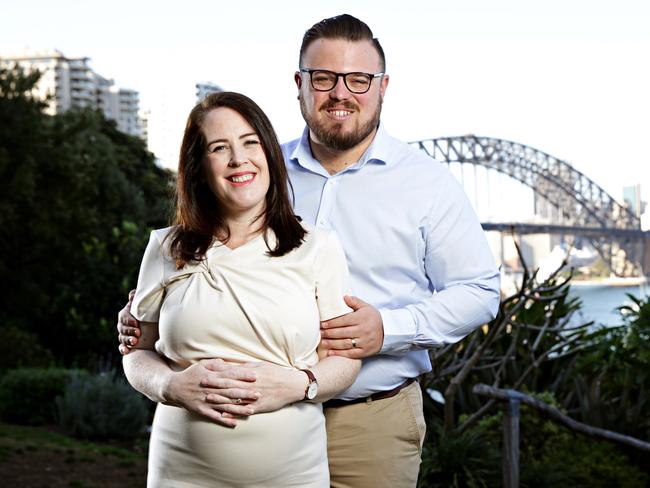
x,y
312,390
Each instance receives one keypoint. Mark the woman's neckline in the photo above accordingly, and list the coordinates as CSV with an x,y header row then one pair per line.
x,y
227,246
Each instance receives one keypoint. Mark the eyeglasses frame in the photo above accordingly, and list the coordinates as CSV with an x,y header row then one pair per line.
x,y
341,75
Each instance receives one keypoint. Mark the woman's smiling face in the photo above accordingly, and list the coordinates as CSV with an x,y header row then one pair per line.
x,y
236,168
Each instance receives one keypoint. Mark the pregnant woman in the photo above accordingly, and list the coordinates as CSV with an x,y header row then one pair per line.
x,y
237,277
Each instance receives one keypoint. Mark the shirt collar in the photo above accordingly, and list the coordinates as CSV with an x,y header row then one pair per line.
x,y
378,152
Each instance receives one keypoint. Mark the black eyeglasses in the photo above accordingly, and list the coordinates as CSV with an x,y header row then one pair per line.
x,y
324,80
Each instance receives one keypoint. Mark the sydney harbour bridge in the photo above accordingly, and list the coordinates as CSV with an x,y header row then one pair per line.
x,y
580,207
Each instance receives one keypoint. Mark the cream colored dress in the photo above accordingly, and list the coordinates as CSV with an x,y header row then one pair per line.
x,y
241,305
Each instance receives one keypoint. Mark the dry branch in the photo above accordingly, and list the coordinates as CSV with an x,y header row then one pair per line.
x,y
555,414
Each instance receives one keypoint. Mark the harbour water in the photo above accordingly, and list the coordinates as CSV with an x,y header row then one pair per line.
x,y
600,300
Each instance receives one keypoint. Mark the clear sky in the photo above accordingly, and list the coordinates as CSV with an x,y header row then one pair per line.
x,y
571,78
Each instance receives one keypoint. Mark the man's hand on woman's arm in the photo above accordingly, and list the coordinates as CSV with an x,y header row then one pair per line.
x,y
358,334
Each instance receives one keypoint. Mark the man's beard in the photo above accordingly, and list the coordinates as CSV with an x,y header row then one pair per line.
x,y
333,137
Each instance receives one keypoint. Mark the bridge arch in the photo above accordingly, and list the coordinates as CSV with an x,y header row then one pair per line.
x,y
580,202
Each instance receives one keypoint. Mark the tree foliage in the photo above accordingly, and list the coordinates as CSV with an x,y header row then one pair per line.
x,y
613,377
77,201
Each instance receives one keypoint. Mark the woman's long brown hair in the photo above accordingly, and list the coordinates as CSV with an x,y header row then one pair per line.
x,y
199,215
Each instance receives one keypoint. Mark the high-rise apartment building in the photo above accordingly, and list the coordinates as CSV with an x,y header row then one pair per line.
x,y
203,89
71,83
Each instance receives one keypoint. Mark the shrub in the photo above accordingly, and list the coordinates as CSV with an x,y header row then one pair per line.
x,y
27,395
579,461
102,406
612,378
457,460
551,455
22,349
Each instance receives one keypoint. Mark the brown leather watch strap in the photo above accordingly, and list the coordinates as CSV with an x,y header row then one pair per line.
x,y
310,375
312,387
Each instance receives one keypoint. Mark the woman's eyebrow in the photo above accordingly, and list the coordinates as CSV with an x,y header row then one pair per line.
x,y
217,140
226,140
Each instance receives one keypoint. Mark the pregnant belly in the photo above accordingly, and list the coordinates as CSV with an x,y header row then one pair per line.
x,y
283,448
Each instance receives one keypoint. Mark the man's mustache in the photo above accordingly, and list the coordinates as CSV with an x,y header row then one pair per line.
x,y
342,104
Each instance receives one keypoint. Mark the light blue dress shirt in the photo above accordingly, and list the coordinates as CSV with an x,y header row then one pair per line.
x,y
414,245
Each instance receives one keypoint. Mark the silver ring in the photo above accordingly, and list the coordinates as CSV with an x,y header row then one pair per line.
x,y
238,401
354,342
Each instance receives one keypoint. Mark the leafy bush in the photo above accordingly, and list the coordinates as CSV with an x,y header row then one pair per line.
x,y
613,377
456,460
568,460
27,395
21,349
102,406
553,456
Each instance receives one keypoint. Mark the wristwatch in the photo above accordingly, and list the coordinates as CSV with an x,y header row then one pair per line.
x,y
312,387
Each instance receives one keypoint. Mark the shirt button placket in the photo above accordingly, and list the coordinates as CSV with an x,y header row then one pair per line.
x,y
326,203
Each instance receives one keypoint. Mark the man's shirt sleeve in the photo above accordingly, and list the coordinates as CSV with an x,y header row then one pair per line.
x,y
462,273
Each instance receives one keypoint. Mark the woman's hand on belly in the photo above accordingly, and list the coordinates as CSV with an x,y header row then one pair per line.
x,y
227,386
278,386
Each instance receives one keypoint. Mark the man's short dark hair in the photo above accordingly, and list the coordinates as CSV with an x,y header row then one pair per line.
x,y
341,27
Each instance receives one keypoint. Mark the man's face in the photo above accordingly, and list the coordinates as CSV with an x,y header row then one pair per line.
x,y
340,119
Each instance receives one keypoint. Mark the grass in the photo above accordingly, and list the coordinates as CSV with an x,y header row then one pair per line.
x,y
41,456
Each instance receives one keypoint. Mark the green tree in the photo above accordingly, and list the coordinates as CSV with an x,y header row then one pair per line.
x,y
77,201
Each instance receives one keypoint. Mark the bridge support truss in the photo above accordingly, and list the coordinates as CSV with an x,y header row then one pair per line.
x,y
581,206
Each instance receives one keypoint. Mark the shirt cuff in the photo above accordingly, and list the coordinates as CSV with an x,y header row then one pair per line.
x,y
399,330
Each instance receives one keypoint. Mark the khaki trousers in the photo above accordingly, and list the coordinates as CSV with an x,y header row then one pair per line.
x,y
378,443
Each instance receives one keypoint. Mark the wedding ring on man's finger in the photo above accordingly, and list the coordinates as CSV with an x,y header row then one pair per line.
x,y
238,401
354,342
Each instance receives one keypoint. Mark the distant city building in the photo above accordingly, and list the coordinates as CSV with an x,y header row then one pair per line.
x,y
204,89
144,116
632,199
128,119
71,83
545,210
165,131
